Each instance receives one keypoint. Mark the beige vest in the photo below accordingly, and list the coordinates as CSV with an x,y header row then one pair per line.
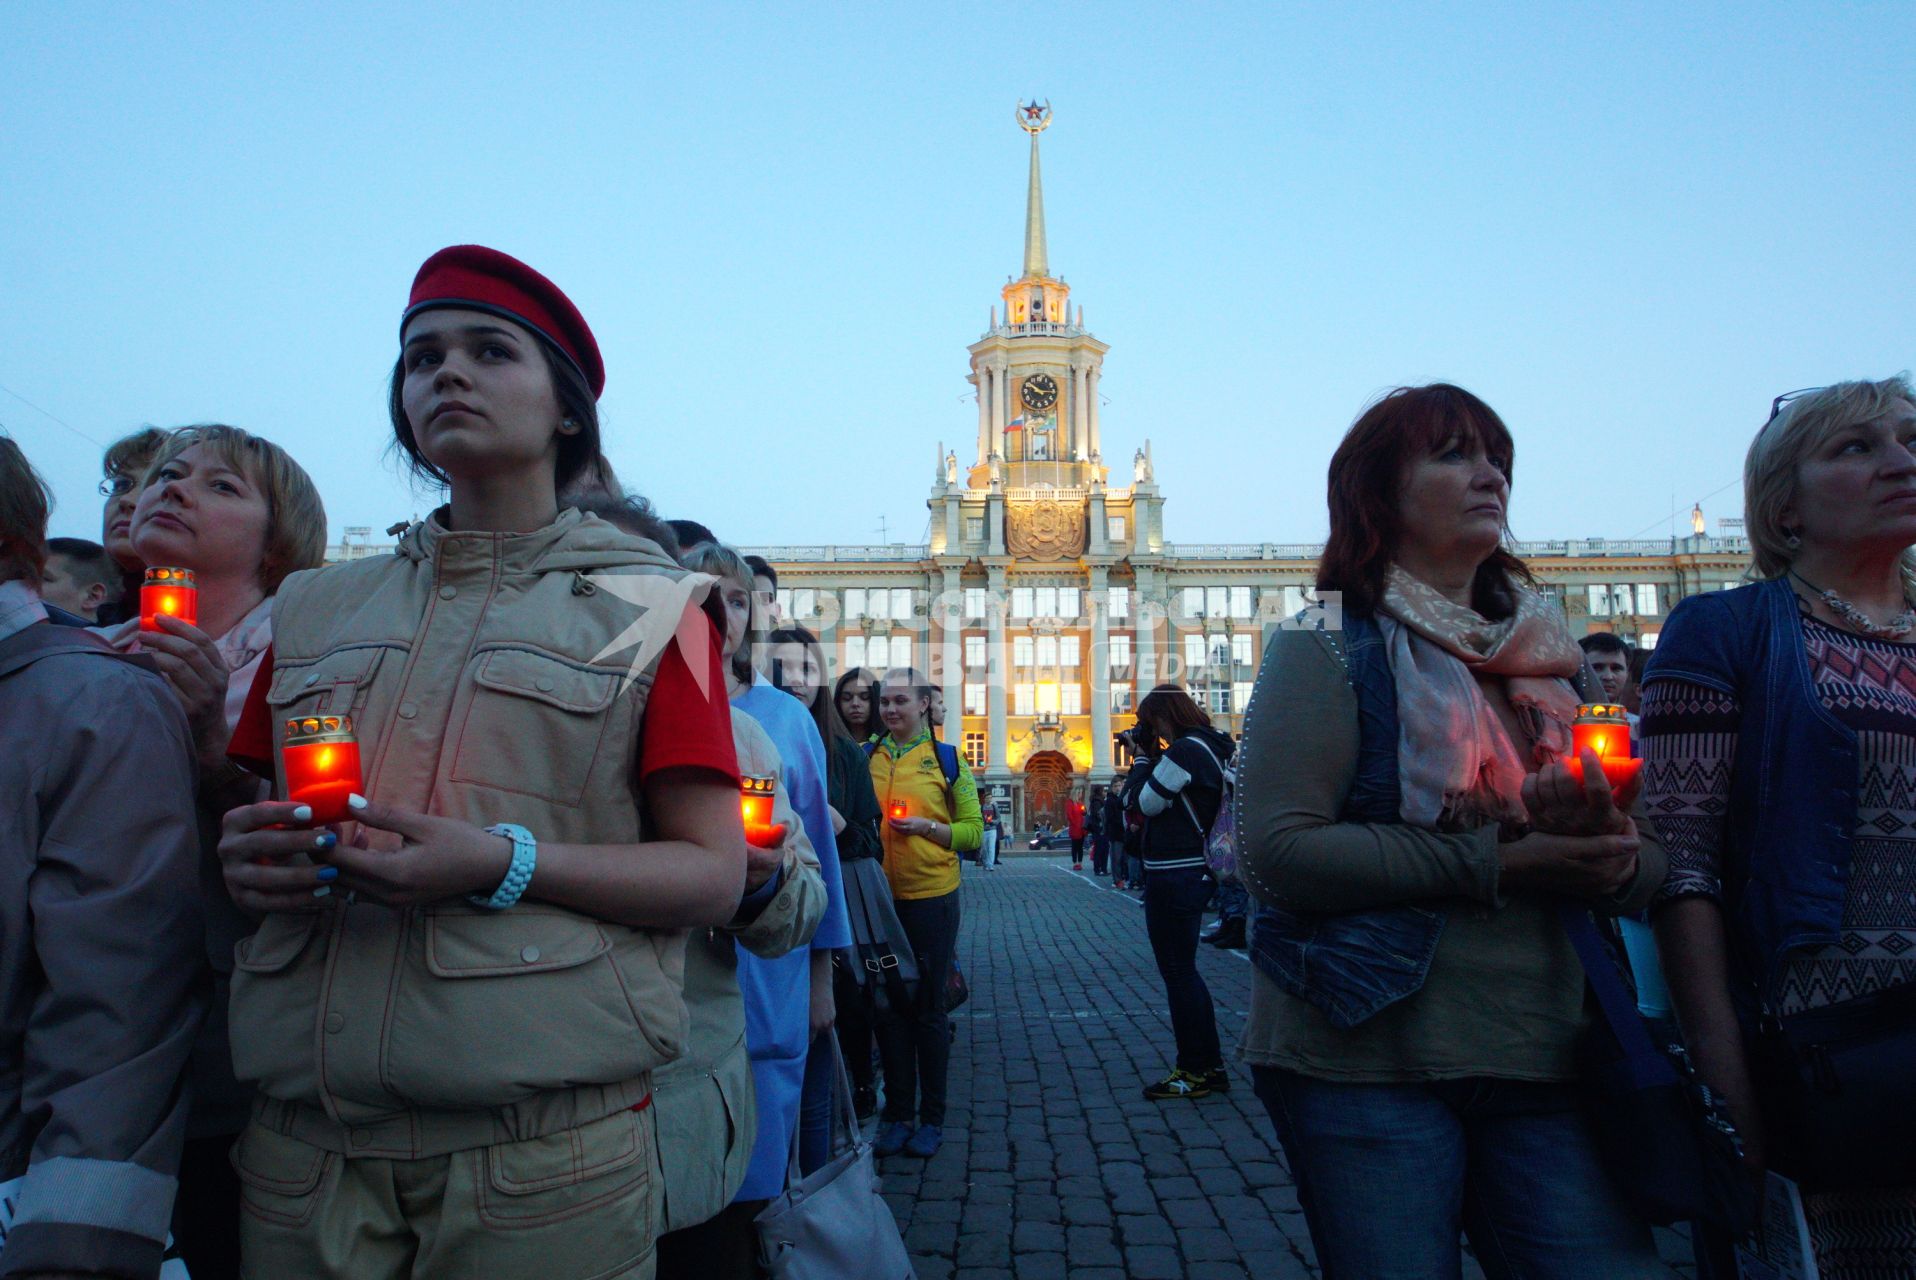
x,y
707,1115
489,682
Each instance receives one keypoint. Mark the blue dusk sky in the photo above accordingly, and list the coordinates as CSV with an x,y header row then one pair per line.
x,y
1626,226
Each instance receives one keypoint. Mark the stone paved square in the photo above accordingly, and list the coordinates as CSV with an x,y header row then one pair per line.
x,y
1054,1165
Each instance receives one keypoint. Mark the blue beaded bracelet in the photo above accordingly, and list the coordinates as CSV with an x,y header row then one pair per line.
x,y
525,855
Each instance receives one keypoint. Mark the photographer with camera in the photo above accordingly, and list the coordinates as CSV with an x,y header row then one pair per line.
x,y
1176,787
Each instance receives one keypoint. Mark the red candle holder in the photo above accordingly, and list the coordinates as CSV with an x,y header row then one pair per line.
x,y
898,810
1603,728
169,591
755,800
321,755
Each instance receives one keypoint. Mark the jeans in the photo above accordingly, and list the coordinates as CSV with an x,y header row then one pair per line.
x,y
988,850
1133,870
1174,904
815,1102
1233,903
1100,855
916,1044
1389,1173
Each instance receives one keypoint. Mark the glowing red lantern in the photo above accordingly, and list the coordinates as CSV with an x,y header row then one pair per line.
x,y
755,806
1603,729
170,591
898,810
322,765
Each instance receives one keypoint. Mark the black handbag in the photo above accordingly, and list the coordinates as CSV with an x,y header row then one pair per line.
x,y
1838,1090
1664,1135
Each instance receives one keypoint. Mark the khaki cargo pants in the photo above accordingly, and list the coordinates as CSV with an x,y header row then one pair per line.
x,y
574,1205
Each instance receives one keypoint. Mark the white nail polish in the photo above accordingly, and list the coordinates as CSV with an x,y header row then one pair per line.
x,y
322,891
355,801
303,814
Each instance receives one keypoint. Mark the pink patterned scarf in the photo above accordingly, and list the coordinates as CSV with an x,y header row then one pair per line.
x,y
1457,767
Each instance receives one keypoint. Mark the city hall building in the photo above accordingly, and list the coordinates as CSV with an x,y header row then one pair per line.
x,y
1049,598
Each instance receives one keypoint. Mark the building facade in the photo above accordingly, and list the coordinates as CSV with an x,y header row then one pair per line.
x,y
1048,599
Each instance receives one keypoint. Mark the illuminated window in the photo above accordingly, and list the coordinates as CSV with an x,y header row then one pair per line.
x,y
1647,598
1048,652
854,602
974,602
975,750
1045,602
1120,695
1241,649
1120,652
1241,602
1071,699
900,649
1021,602
1217,602
1067,651
974,651
1021,651
1024,700
975,704
901,603
1048,698
1068,606
854,652
1114,528
1191,603
1194,651
1119,600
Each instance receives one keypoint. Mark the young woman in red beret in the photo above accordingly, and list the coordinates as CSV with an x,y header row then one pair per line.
x,y
457,997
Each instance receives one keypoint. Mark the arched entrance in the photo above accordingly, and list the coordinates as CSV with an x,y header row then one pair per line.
x,y
1047,787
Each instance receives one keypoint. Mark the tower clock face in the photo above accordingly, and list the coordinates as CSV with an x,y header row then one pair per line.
x,y
1040,392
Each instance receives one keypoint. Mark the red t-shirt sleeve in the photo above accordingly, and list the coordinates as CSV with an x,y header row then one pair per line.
x,y
688,722
251,746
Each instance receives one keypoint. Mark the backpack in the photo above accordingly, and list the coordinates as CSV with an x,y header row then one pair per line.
x,y
1220,842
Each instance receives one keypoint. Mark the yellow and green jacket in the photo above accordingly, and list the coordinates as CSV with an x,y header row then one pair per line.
x,y
919,867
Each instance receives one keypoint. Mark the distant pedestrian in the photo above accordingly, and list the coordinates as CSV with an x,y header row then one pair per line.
x,y
988,851
1074,827
1177,797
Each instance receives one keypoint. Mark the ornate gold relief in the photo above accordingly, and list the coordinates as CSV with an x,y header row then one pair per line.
x,y
1045,529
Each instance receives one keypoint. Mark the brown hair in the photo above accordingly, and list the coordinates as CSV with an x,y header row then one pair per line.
x,y
1169,704
824,707
580,454
129,457
869,679
24,504
295,516
1367,480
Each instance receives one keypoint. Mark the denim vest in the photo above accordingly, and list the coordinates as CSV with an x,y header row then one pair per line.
x,y
1786,849
1351,964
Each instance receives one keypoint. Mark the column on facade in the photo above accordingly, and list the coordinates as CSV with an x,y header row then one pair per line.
x,y
1145,639
1100,676
1091,406
984,414
951,667
1079,430
998,670
999,403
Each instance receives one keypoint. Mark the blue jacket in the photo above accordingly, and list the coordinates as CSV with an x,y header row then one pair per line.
x,y
1786,850
1351,964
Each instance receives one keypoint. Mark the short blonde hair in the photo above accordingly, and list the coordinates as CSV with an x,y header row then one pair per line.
x,y
722,562
1770,468
295,516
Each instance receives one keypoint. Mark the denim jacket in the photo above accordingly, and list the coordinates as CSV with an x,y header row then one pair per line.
x,y
1352,964
1793,783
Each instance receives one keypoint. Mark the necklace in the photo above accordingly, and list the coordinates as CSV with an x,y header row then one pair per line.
x,y
1895,629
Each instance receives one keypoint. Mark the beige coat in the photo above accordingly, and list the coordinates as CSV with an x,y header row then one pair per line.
x,y
492,679
707,1118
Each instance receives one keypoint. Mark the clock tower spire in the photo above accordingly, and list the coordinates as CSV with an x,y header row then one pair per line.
x,y
1037,369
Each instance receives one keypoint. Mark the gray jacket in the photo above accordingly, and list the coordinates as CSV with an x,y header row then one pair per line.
x,y
102,977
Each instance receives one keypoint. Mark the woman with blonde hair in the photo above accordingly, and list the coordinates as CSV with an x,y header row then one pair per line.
x,y
1779,730
242,514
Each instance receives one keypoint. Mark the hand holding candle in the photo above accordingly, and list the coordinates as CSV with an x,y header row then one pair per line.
x,y
321,755
755,806
169,591
1603,729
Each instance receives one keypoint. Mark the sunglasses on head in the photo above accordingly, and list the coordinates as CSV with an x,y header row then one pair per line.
x,y
1777,405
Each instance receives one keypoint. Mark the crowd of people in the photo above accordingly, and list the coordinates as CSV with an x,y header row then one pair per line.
x,y
546,995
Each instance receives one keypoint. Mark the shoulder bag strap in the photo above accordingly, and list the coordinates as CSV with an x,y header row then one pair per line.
x,y
1647,1067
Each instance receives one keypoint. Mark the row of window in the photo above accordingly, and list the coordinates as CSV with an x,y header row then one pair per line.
x,y
1640,598
1040,700
897,603
1114,529
1053,653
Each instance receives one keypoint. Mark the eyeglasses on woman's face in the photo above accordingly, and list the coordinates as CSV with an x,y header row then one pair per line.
x,y
116,486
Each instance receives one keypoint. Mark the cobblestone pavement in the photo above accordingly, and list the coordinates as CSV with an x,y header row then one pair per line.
x,y
1054,1165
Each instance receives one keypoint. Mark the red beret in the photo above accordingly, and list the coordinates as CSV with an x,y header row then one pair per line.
x,y
471,275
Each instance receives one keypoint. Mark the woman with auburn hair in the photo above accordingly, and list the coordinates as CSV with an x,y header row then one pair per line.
x,y
1407,823
1779,732
457,997
242,514
856,697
